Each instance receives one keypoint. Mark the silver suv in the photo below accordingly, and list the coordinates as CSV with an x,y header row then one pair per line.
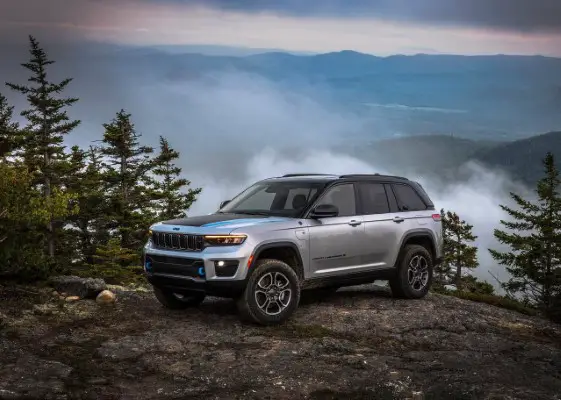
x,y
297,232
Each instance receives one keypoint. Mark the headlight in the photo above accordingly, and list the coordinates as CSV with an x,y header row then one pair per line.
x,y
224,240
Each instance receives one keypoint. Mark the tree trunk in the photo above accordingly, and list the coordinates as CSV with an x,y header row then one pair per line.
x,y
458,265
125,196
48,192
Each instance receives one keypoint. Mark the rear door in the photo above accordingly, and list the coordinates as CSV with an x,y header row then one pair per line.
x,y
411,213
381,232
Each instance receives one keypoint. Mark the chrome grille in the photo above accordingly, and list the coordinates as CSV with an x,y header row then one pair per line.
x,y
177,241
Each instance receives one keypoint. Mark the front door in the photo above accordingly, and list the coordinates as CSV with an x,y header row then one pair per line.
x,y
336,244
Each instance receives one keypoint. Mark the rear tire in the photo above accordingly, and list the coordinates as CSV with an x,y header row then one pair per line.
x,y
271,295
175,301
414,273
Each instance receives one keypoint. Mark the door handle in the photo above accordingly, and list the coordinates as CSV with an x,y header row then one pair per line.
x,y
355,223
397,220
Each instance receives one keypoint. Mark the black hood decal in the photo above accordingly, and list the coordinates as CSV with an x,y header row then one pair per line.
x,y
208,219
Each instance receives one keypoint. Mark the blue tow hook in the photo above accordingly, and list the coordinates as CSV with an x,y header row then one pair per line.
x,y
201,271
148,265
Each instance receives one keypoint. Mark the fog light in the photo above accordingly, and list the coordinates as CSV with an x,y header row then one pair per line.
x,y
226,267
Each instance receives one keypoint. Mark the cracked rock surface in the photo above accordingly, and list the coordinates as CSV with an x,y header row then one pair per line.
x,y
353,344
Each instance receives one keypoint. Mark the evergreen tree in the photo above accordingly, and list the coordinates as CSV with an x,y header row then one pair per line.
x,y
473,285
127,180
116,265
458,253
10,137
171,201
534,261
86,183
22,211
48,122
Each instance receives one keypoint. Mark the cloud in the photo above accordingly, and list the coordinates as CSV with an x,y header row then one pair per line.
x,y
377,26
512,15
475,200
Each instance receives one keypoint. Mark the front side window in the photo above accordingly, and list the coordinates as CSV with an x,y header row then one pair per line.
x,y
275,198
342,196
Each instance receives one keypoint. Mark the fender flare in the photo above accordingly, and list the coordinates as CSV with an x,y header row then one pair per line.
x,y
266,246
420,232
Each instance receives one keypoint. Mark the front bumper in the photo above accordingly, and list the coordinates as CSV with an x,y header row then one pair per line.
x,y
180,285
217,271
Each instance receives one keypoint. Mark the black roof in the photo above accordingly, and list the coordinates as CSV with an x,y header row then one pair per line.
x,y
333,177
330,178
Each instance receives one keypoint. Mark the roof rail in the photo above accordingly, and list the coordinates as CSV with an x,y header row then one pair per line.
x,y
293,175
372,176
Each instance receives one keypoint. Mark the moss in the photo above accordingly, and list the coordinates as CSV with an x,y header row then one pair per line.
x,y
491,299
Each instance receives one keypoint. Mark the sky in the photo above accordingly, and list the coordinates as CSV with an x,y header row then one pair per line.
x,y
379,27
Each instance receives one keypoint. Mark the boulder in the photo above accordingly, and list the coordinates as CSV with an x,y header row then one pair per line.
x,y
106,297
85,288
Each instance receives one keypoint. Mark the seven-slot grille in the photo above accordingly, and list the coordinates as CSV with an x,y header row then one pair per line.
x,y
177,241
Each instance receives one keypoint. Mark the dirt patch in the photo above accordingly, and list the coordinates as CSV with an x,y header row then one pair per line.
x,y
356,343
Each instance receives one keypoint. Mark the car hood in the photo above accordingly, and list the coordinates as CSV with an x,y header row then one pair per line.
x,y
214,223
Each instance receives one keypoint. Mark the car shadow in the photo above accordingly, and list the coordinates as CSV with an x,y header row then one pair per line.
x,y
351,293
227,307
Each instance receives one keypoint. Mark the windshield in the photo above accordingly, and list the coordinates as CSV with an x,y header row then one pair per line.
x,y
286,199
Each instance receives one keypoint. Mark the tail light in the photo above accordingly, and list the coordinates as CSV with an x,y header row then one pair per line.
x,y
436,217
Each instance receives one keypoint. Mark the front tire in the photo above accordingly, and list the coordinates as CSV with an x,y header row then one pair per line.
x,y
414,273
271,295
175,301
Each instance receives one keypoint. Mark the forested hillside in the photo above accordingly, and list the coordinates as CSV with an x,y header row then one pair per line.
x,y
520,158
442,155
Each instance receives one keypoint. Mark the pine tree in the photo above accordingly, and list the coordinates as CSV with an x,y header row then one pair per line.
x,y
22,211
458,253
86,183
171,201
10,136
48,122
443,271
534,261
116,265
127,180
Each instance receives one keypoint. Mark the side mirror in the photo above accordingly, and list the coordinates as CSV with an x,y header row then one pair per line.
x,y
325,211
223,203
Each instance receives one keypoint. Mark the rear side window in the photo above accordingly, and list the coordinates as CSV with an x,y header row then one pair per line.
x,y
373,198
408,199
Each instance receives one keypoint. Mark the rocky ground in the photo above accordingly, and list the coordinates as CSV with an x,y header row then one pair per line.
x,y
356,343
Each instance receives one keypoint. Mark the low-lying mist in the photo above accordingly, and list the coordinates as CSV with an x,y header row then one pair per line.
x,y
476,200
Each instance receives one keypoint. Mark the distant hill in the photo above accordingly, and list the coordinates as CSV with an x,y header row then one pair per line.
x,y
431,154
522,158
442,155
498,98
